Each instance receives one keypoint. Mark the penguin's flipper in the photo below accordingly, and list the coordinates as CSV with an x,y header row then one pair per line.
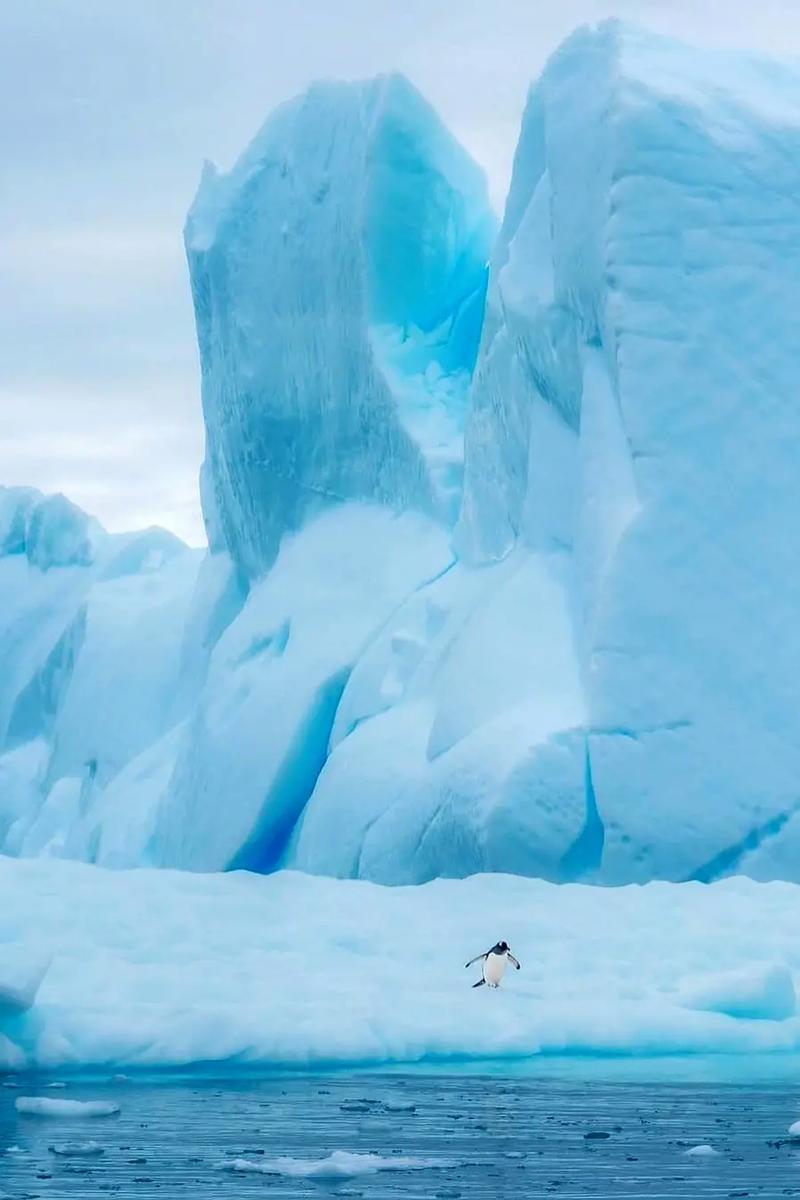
x,y
477,958
480,983
512,959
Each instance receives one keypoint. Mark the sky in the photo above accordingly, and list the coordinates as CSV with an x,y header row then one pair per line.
x,y
108,109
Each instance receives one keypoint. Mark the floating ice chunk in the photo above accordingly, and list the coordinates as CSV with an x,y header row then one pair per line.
x,y
704,1151
341,1164
77,1149
758,993
41,1106
794,1129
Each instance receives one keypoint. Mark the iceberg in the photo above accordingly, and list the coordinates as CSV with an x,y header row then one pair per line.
x,y
443,761
50,531
638,342
502,530
338,274
91,630
628,457
259,733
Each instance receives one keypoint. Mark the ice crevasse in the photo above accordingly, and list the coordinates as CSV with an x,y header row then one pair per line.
x,y
501,570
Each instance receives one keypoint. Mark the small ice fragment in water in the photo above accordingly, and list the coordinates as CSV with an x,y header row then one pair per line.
x,y
794,1129
702,1152
77,1149
40,1106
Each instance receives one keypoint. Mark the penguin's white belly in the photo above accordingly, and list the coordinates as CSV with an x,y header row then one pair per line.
x,y
494,968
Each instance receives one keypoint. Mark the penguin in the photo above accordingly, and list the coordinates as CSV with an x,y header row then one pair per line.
x,y
495,962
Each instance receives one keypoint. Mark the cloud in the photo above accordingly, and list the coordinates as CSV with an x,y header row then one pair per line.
x,y
89,266
132,462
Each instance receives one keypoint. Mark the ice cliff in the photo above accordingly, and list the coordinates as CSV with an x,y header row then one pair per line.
x,y
635,405
501,575
338,275
603,687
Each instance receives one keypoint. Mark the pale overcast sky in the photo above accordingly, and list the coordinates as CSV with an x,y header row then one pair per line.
x,y
107,109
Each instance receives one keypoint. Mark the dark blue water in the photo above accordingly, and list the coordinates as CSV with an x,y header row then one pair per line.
x,y
487,1136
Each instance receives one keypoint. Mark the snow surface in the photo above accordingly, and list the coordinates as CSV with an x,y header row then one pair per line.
x,y
158,967
762,994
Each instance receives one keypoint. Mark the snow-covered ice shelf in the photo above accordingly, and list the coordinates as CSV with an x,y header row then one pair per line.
x,y
153,967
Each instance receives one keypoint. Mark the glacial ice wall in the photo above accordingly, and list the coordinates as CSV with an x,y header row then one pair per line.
x,y
641,331
631,475
591,673
338,274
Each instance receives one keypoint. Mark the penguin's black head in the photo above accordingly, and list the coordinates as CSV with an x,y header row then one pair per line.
x,y
501,948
